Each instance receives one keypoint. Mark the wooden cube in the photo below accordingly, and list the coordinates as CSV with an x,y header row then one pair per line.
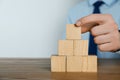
x,y
65,47
73,32
58,63
80,47
92,59
92,64
84,63
74,63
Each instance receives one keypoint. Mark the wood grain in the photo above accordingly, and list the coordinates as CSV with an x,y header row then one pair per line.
x,y
39,69
65,47
84,63
74,63
92,64
58,63
80,47
72,32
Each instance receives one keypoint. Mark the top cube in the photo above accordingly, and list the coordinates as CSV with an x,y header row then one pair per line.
x,y
72,32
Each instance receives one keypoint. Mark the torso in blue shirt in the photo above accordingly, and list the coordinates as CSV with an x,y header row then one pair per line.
x,y
85,8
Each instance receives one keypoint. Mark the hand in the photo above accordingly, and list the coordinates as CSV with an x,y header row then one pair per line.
x,y
103,28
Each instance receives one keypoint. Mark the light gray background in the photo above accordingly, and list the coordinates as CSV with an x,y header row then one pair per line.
x,y
32,28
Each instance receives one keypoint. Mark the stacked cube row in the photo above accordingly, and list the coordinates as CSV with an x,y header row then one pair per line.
x,y
74,64
73,47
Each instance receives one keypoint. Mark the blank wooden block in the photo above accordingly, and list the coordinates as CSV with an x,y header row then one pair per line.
x,y
65,47
92,59
80,47
73,32
74,63
84,63
92,64
58,63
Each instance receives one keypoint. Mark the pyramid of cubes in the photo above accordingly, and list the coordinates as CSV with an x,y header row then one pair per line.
x,y
73,53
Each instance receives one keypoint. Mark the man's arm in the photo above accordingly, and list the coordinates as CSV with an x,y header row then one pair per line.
x,y
104,29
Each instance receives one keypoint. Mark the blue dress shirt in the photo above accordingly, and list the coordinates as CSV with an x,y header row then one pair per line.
x,y
85,8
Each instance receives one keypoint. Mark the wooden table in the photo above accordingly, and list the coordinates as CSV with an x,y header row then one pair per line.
x,y
39,69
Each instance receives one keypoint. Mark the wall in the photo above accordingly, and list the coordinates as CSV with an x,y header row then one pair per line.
x,y
32,28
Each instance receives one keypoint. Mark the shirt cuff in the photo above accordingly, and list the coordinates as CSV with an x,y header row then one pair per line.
x,y
118,52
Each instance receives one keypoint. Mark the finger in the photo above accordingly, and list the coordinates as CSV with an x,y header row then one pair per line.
x,y
102,39
102,29
105,47
87,27
90,21
94,19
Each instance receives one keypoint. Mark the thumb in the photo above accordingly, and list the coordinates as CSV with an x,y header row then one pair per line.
x,y
86,27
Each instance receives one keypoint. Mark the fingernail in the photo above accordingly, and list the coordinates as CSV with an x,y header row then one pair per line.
x,y
75,25
78,23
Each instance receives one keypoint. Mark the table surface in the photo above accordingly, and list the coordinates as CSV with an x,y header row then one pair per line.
x,y
39,69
